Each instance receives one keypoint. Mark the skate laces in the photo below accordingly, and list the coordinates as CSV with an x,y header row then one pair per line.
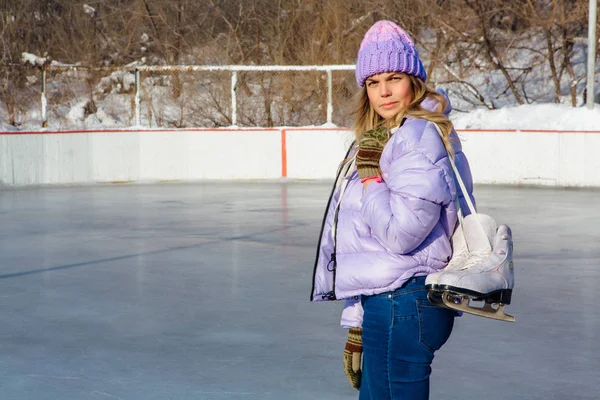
x,y
457,262
475,258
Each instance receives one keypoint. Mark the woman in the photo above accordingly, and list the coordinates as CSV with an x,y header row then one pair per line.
x,y
389,221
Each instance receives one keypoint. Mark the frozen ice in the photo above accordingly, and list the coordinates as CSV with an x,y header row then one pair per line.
x,y
201,291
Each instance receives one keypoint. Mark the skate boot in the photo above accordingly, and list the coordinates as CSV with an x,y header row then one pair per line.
x,y
490,280
468,242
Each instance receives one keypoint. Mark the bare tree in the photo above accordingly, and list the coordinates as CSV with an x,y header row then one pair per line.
x,y
560,22
488,52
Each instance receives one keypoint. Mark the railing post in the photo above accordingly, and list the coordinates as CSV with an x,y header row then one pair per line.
x,y
137,97
591,61
329,97
233,98
44,100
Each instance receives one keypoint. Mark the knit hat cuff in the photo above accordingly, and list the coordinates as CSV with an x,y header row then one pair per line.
x,y
387,48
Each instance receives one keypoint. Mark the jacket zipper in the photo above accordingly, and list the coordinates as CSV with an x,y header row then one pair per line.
x,y
330,295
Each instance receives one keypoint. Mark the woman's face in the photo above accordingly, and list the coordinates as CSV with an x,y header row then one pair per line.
x,y
389,93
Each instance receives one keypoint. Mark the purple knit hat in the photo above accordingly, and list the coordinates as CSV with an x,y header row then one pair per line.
x,y
387,48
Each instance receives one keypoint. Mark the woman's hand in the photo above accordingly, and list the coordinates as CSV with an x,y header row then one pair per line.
x,y
370,147
353,357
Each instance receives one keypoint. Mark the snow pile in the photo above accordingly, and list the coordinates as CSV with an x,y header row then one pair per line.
x,y
526,117
28,58
531,116
117,82
89,9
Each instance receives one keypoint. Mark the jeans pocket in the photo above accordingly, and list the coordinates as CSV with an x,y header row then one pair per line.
x,y
435,324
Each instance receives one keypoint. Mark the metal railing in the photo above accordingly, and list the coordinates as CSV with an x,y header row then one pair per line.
x,y
182,96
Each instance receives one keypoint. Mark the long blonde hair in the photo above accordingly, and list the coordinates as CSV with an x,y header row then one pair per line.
x,y
366,118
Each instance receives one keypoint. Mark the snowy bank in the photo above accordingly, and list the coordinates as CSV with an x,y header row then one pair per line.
x,y
557,117
534,117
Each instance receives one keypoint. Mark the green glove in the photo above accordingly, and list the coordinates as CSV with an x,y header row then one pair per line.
x,y
370,147
353,357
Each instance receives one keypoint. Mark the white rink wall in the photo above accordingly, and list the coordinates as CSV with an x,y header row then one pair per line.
x,y
554,158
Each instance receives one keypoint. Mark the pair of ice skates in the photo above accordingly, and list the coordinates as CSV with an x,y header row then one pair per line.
x,y
481,269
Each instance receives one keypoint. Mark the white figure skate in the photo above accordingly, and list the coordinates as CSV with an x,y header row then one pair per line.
x,y
484,277
472,230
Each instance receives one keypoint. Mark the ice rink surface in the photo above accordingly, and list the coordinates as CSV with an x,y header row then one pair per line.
x,y
201,291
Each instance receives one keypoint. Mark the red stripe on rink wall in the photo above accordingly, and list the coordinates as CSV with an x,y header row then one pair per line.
x,y
68,132
523,130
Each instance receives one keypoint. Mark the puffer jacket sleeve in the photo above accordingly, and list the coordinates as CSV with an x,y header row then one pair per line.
x,y
403,210
352,316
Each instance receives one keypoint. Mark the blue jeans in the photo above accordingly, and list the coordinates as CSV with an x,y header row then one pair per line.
x,y
401,331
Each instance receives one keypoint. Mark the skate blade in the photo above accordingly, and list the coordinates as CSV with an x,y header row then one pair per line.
x,y
461,303
435,298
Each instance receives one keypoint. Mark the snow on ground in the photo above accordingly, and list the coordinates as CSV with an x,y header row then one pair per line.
x,y
530,116
32,59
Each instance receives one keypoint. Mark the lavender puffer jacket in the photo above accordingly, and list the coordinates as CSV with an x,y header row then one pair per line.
x,y
393,230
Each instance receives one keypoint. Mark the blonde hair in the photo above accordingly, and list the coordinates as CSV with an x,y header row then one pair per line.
x,y
366,118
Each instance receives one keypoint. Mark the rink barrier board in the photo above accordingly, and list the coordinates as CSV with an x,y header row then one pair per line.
x,y
497,156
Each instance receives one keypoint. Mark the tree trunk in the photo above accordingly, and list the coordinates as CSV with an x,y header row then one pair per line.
x,y
551,52
10,104
177,86
435,54
566,64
